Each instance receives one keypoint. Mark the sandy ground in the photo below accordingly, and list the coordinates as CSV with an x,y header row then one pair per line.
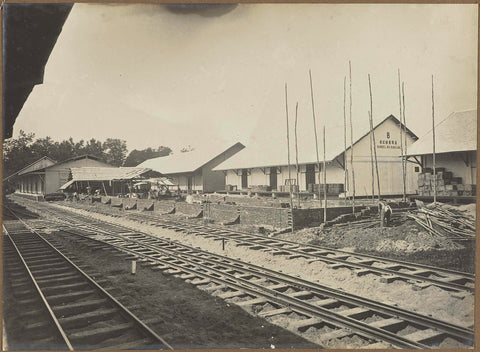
x,y
440,304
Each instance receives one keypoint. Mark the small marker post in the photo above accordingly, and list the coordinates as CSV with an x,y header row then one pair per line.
x,y
134,267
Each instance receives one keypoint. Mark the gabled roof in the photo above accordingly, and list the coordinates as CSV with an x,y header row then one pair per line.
x,y
79,157
455,133
270,156
185,162
37,165
107,173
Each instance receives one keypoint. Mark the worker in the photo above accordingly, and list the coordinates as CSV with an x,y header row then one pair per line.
x,y
385,213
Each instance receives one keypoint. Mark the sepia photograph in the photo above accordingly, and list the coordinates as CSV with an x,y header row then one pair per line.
x,y
238,175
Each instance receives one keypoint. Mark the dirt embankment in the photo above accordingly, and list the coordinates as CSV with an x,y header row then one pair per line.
x,y
404,240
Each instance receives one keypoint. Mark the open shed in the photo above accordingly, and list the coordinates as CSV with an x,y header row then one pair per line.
x,y
108,181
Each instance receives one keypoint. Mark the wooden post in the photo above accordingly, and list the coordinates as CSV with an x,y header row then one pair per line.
x,y
104,189
288,152
370,118
401,137
433,155
375,150
405,142
373,136
324,178
296,153
316,139
345,168
134,267
351,140
371,157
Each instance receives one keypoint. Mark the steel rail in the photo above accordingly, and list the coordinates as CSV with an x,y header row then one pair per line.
x,y
451,329
295,304
320,248
409,317
460,332
305,251
350,264
123,310
40,293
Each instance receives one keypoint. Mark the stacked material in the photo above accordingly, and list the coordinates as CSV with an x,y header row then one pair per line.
x,y
444,221
332,188
288,188
260,188
446,184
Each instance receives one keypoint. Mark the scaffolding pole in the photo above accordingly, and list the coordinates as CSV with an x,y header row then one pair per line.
x,y
351,140
316,139
433,135
288,153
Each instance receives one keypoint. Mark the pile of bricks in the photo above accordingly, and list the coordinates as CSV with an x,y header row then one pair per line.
x,y
288,188
260,188
332,188
446,184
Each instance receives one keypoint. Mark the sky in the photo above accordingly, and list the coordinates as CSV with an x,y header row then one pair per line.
x,y
155,76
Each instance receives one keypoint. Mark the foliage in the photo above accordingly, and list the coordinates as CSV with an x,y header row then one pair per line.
x,y
137,157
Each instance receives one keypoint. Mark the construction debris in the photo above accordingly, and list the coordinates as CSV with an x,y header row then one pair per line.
x,y
444,221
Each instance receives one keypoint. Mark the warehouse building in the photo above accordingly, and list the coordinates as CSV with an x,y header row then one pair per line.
x,y
46,175
455,156
256,167
192,171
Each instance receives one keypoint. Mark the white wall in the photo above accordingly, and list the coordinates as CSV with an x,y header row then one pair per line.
x,y
389,163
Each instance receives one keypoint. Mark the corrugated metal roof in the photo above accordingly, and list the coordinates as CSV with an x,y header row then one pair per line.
x,y
107,173
456,133
184,162
276,155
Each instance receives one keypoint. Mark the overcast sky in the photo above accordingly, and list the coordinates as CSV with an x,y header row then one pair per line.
x,y
153,76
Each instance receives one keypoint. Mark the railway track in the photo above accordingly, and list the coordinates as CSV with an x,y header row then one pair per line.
x,y
271,294
390,270
61,306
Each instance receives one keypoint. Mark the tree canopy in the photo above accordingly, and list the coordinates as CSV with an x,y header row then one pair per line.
x,y
137,157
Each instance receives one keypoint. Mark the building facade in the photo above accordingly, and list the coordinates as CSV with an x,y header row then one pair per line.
x,y
455,156
246,170
47,176
192,171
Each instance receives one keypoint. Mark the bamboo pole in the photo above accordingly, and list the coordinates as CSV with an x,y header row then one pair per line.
x,y
433,155
405,142
375,156
351,140
401,137
345,186
324,177
371,157
370,114
296,154
373,136
316,139
288,152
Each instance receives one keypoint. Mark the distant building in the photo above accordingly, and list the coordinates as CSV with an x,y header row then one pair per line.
x,y
46,175
455,154
261,167
192,171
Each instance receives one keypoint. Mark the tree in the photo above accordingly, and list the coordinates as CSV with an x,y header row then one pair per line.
x,y
136,157
17,153
115,151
